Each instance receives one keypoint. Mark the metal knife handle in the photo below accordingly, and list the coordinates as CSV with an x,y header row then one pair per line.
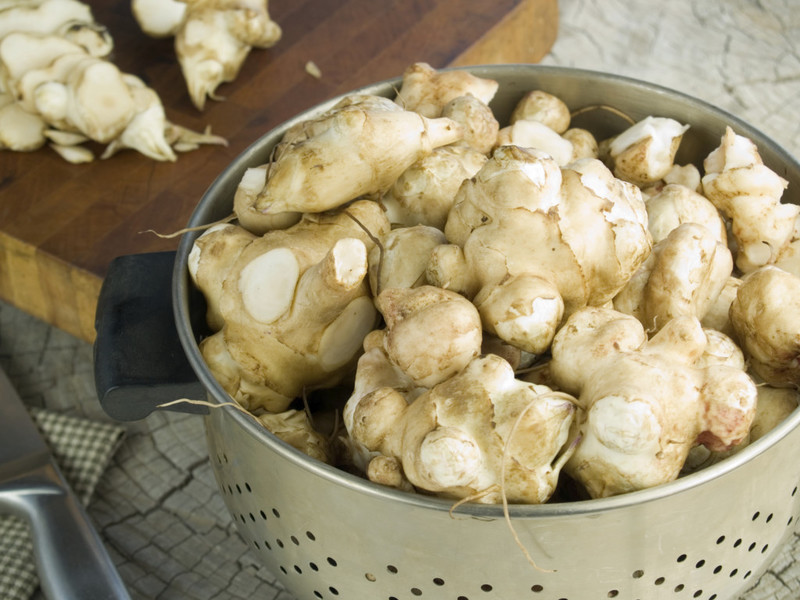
x,y
139,362
72,562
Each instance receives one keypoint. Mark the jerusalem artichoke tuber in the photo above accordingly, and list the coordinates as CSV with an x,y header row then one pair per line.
x,y
645,403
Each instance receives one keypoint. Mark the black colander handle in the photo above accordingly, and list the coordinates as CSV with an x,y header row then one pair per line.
x,y
139,363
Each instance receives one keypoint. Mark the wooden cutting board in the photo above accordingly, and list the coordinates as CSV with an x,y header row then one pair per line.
x,y
62,224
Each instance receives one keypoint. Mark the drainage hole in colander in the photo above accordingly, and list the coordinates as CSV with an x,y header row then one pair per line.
x,y
332,561
679,588
416,592
438,581
313,566
263,515
537,588
311,536
699,564
764,549
612,593
681,558
276,513
392,569
717,569
737,543
298,570
279,541
637,574
659,581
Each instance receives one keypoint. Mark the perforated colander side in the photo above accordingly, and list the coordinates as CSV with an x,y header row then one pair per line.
x,y
324,541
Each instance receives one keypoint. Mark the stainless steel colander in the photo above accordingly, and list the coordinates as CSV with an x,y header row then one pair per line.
x,y
329,534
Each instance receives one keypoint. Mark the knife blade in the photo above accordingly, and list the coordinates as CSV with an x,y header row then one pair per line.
x,y
71,561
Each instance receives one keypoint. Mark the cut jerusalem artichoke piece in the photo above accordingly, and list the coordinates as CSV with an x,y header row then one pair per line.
x,y
76,93
764,318
211,258
212,37
749,194
644,153
19,130
68,19
576,235
645,403
369,141
426,91
296,307
541,120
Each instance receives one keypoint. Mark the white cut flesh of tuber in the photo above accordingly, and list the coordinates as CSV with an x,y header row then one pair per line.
x,y
645,403
60,76
19,130
426,91
533,134
295,308
644,153
541,120
372,144
212,37
159,18
210,259
244,204
68,19
749,194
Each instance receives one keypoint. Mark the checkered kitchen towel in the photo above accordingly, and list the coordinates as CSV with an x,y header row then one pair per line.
x,y
82,449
